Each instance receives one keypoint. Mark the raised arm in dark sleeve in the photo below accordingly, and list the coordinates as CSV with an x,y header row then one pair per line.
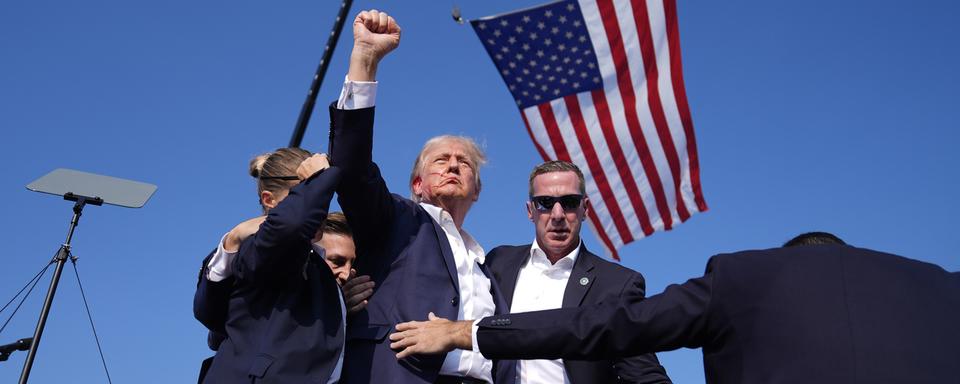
x,y
279,249
362,193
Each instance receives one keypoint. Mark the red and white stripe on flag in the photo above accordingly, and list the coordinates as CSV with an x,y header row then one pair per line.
x,y
599,83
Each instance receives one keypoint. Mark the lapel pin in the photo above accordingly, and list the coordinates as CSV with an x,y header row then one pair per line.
x,y
584,281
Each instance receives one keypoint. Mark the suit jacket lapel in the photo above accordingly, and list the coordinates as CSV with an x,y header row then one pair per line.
x,y
447,253
501,305
508,282
581,279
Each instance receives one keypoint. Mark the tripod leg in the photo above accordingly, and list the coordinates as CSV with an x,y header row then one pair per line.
x,y
62,256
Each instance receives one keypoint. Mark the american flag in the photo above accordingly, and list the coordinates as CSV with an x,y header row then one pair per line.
x,y
599,83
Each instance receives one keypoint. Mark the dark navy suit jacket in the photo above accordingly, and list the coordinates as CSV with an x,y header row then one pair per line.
x,y
281,314
811,314
604,281
404,251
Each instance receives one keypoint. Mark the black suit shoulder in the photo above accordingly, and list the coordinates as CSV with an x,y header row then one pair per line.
x,y
613,268
504,254
506,260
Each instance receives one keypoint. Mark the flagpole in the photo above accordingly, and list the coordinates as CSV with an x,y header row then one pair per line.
x,y
311,100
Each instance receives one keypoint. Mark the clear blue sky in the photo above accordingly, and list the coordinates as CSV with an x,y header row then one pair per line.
x,y
836,116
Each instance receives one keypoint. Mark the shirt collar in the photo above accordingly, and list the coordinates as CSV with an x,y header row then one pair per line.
x,y
437,213
445,220
537,255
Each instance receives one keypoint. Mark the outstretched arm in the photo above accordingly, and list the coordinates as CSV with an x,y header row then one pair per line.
x,y
645,368
434,336
627,327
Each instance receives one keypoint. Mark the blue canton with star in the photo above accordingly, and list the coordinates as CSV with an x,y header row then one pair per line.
x,y
542,53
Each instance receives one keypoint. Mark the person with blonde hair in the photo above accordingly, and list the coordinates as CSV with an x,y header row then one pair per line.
x,y
274,309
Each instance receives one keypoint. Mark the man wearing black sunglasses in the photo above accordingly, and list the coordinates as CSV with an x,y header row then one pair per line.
x,y
557,271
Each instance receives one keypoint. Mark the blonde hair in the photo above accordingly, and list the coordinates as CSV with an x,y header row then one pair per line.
x,y
473,152
282,162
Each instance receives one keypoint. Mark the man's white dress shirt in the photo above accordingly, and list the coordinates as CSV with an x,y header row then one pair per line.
x,y
540,286
476,301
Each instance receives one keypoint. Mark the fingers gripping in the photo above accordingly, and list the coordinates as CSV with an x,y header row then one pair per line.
x,y
312,165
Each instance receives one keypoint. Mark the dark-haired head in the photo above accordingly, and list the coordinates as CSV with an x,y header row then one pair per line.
x,y
337,242
336,223
814,238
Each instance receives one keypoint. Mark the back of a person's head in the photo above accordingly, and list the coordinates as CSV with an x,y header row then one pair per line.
x,y
814,238
274,170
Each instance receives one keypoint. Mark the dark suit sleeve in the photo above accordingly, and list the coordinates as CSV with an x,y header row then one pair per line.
x,y
280,248
362,193
626,327
211,300
645,368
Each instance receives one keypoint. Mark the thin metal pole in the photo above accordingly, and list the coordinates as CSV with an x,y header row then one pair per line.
x,y
311,100
62,255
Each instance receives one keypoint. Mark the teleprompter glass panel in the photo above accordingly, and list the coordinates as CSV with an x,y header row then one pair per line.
x,y
113,190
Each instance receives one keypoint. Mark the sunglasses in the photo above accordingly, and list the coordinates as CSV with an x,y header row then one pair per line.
x,y
546,203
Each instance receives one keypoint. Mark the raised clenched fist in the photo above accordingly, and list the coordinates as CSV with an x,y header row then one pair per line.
x,y
375,34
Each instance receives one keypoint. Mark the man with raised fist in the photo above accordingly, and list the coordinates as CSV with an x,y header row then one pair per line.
x,y
415,250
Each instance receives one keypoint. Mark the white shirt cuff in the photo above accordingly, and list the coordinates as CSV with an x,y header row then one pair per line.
x,y
219,266
357,94
473,336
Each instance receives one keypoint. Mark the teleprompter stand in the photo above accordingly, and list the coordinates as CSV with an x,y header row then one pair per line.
x,y
83,189
61,258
